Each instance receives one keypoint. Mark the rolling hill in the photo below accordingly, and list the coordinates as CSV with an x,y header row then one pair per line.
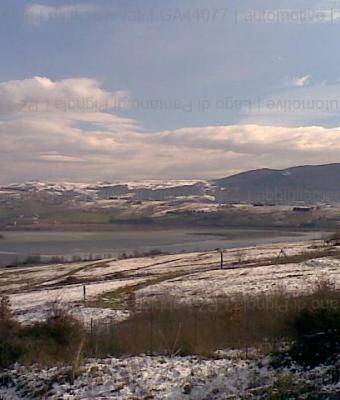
x,y
309,183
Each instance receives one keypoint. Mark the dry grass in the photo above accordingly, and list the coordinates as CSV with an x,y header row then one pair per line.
x,y
169,327
166,327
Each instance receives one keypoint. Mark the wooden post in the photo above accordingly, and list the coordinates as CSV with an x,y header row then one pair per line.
x,y
84,293
281,255
151,331
221,251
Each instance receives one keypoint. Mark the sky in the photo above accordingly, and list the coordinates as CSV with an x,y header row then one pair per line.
x,y
121,90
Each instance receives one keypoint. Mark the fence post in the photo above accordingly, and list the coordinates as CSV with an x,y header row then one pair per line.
x,y
84,293
222,261
151,331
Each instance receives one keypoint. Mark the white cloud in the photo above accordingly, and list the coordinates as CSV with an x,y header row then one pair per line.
x,y
301,81
59,158
42,95
82,144
38,13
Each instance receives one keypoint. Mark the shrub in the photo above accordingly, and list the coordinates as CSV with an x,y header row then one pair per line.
x,y
317,336
10,348
5,309
55,340
59,339
10,352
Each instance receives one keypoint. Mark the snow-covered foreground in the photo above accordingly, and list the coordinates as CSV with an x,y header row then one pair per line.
x,y
161,378
189,277
186,277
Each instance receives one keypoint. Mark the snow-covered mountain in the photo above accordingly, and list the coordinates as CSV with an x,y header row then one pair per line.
x,y
141,190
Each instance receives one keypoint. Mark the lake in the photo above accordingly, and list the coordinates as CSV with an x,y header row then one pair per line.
x,y
17,246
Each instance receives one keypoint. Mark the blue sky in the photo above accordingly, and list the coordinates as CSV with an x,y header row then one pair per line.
x,y
200,88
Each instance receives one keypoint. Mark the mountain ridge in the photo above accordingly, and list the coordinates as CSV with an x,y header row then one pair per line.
x,y
304,183
309,183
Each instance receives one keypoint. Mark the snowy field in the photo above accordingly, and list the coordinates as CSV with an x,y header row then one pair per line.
x,y
202,286
189,277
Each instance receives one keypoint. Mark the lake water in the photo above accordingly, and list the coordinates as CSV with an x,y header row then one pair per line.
x,y
17,246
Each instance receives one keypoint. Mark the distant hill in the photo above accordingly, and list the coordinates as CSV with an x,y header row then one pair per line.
x,y
308,183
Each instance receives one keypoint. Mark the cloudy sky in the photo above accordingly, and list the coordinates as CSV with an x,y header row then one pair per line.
x,y
139,89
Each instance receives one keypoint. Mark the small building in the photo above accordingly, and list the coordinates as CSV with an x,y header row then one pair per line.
x,y
302,209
